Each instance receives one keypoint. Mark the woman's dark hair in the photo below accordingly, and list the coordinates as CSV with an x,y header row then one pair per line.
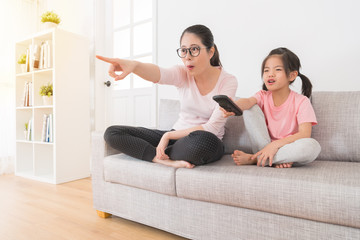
x,y
291,63
207,39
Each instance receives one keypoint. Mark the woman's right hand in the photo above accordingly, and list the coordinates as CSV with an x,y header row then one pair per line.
x,y
160,149
116,65
226,113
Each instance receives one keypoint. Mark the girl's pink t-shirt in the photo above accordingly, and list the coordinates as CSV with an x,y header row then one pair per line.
x,y
284,120
195,108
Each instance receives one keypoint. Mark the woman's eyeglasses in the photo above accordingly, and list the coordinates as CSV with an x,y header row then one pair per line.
x,y
194,51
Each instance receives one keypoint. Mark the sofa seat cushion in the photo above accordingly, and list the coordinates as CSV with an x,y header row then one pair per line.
x,y
326,191
126,170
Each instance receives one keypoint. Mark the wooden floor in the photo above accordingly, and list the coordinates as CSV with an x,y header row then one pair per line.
x,y
31,210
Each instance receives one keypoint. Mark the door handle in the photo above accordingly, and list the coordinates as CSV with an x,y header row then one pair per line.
x,y
108,83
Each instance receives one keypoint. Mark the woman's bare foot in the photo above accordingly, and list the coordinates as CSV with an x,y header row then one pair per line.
x,y
241,158
174,163
283,165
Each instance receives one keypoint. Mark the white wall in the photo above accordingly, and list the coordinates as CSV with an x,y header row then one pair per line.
x,y
17,20
78,16
324,34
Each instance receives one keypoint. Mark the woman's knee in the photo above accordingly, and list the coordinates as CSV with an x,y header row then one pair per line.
x,y
205,147
111,131
203,140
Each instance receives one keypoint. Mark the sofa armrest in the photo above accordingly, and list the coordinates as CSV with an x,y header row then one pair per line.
x,y
99,150
99,146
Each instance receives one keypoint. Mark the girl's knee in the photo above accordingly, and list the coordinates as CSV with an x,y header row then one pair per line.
x,y
314,147
310,148
302,151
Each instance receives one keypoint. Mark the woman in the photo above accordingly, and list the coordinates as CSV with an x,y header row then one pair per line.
x,y
196,137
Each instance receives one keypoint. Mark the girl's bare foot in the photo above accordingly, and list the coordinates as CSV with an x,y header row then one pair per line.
x,y
283,165
241,158
173,163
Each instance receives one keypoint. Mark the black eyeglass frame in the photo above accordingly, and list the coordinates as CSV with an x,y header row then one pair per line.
x,y
189,51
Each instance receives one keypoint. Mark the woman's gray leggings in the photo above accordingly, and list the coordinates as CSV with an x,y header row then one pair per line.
x,y
301,151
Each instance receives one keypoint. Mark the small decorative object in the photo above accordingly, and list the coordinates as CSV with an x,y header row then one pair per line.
x,y
26,131
50,19
46,91
22,62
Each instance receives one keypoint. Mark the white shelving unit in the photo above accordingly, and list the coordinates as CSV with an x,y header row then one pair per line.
x,y
67,157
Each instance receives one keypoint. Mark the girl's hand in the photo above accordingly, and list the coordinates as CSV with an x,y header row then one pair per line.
x,y
116,65
226,113
160,149
268,152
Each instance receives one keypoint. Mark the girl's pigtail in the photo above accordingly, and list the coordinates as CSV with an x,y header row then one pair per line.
x,y
306,85
264,87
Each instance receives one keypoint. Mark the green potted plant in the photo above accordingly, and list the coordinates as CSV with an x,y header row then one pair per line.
x,y
26,130
46,91
22,62
50,19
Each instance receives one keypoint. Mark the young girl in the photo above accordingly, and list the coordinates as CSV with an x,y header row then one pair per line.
x,y
279,120
196,137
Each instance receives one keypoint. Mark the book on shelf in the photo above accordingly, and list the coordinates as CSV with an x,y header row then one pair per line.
x,y
51,129
30,94
43,133
27,97
45,55
27,60
25,94
31,50
38,56
29,131
47,130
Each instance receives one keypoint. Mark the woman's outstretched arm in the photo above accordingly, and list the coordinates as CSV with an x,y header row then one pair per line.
x,y
147,71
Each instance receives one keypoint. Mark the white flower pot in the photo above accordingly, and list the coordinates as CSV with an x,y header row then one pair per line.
x,y
23,68
47,100
48,25
25,134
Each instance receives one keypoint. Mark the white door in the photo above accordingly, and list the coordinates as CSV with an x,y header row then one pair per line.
x,y
131,35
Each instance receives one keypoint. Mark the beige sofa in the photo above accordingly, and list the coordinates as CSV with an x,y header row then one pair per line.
x,y
222,201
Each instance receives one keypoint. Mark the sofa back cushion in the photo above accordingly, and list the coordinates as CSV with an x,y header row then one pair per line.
x,y
338,128
168,113
235,134
337,131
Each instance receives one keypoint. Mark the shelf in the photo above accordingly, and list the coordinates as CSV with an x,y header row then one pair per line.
x,y
24,157
26,74
45,70
34,142
43,143
67,157
24,108
47,178
43,107
35,107
24,141
37,71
